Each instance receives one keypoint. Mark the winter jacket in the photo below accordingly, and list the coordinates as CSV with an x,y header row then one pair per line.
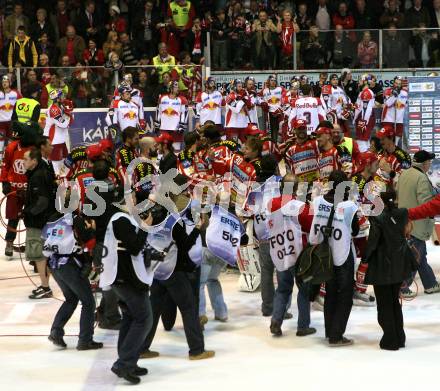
x,y
414,189
40,200
23,52
390,259
428,209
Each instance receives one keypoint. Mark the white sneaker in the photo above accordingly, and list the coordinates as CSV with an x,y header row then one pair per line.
x,y
434,289
363,299
318,304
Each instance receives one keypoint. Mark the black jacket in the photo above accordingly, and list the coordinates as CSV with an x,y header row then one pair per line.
x,y
389,258
167,162
40,200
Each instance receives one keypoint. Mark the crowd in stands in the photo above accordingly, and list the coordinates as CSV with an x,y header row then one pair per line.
x,y
83,44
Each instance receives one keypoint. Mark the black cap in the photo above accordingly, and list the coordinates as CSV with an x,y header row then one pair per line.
x,y
422,156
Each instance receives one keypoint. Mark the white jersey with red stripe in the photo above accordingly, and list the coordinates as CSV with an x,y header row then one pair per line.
x,y
7,103
252,111
209,107
57,124
172,112
237,115
273,97
364,108
125,114
136,97
329,161
310,110
303,160
394,106
288,101
338,100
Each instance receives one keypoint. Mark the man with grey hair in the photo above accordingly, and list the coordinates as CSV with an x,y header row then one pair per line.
x,y
413,189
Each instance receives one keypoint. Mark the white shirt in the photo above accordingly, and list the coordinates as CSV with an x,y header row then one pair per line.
x,y
323,18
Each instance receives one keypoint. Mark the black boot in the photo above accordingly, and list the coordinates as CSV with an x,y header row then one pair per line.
x,y
129,376
275,328
91,345
57,341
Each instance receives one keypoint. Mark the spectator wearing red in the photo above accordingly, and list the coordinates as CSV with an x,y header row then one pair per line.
x,y
92,56
196,40
71,45
60,19
287,29
367,51
169,36
116,22
343,17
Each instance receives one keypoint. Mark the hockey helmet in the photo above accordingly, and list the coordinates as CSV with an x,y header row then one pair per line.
x,y
272,77
326,89
299,124
173,84
55,95
164,138
94,152
252,130
236,82
124,87
323,130
304,79
209,81
386,131
334,76
366,95
106,144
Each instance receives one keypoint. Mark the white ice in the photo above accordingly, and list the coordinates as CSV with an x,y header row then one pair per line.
x,y
247,356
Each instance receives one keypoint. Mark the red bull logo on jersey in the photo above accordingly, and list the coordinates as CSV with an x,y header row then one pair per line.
x,y
130,115
6,107
306,105
273,100
400,105
210,105
170,112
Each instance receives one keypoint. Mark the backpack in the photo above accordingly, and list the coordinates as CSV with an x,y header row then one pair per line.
x,y
315,263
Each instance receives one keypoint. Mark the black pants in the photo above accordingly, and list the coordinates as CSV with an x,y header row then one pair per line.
x,y
178,286
75,288
274,123
135,325
389,315
169,312
339,300
108,309
11,233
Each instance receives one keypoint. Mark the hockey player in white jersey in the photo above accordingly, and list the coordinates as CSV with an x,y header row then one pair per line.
x,y
172,115
59,118
395,100
209,105
271,102
237,118
136,96
124,112
308,109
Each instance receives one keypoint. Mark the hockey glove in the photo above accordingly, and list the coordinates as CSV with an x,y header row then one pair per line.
x,y
142,124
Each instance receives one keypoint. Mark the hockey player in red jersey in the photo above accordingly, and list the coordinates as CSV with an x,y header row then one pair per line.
x,y
76,161
185,158
172,115
367,165
59,118
209,105
302,157
238,104
269,147
364,115
308,109
395,100
272,97
393,159
13,177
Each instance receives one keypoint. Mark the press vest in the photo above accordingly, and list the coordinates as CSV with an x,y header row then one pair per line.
x,y
180,14
24,108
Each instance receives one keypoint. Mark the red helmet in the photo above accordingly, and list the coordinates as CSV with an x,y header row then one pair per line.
x,y
299,123
386,131
252,130
164,138
366,94
94,152
323,130
326,89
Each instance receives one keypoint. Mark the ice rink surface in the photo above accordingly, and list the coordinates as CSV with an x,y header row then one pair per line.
x,y
247,358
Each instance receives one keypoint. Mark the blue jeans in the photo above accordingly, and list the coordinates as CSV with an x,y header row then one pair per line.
x,y
281,303
136,323
425,271
209,273
75,288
